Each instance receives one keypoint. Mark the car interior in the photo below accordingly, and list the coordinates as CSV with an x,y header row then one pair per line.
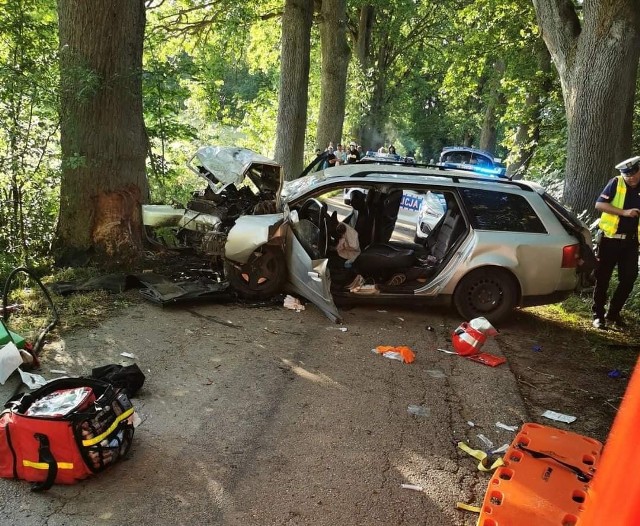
x,y
387,258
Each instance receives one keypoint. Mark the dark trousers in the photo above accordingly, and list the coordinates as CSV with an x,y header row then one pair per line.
x,y
622,253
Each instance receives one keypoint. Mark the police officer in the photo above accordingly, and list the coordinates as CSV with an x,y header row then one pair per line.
x,y
619,203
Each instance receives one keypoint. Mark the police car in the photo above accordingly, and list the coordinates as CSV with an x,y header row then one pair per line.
x,y
473,159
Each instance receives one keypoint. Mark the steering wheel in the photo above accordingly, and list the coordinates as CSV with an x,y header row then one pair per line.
x,y
311,210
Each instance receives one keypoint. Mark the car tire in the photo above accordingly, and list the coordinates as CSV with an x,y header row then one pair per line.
x,y
261,277
491,293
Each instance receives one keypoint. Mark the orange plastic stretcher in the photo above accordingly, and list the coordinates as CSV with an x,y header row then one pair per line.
x,y
544,480
555,477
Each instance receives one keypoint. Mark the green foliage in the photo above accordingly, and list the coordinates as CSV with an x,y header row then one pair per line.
x,y
29,177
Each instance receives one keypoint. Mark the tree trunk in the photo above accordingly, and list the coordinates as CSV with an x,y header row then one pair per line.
x,y
494,106
597,62
294,84
373,123
335,60
102,131
363,39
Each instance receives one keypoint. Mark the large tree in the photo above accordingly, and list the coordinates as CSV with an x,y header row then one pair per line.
x,y
335,60
102,131
596,53
294,84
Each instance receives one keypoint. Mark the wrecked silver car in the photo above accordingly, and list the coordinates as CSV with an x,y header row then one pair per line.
x,y
498,244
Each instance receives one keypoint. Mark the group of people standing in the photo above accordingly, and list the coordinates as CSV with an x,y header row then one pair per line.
x,y
348,155
339,155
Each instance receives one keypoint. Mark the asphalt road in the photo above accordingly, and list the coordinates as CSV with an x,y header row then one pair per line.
x,y
263,415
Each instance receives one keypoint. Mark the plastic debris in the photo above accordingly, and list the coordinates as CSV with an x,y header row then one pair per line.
x,y
401,353
487,359
506,427
127,355
616,373
430,328
10,360
32,381
57,371
293,303
488,444
446,351
341,329
470,423
418,410
537,348
559,417
435,373
401,319
501,449
414,487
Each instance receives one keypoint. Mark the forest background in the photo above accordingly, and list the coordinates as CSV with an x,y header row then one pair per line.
x,y
418,74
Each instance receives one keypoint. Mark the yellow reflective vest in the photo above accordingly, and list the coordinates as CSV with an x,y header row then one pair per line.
x,y
609,222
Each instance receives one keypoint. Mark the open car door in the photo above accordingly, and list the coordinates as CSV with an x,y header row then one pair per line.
x,y
307,262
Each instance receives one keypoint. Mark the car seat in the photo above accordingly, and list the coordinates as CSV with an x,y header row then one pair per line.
x,y
360,218
445,234
380,261
386,215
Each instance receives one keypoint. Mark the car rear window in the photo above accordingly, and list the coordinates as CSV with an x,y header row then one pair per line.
x,y
501,211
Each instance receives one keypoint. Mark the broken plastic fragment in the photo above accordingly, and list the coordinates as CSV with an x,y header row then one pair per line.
x,y
501,449
127,355
470,423
418,410
616,373
505,426
559,417
488,444
57,371
412,486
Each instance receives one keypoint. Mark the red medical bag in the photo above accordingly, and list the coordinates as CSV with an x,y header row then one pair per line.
x,y
64,431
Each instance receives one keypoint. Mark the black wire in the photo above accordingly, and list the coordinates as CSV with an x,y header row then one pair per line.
x,y
5,312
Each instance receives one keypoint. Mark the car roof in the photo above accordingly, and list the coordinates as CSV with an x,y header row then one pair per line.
x,y
448,149
404,175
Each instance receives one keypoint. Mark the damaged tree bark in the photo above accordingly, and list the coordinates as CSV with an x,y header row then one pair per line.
x,y
103,138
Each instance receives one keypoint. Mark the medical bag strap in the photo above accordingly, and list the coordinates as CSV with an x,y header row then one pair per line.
x,y
45,456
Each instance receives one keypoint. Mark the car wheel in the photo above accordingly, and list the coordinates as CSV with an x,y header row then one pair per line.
x,y
259,278
488,292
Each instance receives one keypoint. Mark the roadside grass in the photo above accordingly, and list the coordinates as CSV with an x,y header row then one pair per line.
x,y
35,313
575,315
